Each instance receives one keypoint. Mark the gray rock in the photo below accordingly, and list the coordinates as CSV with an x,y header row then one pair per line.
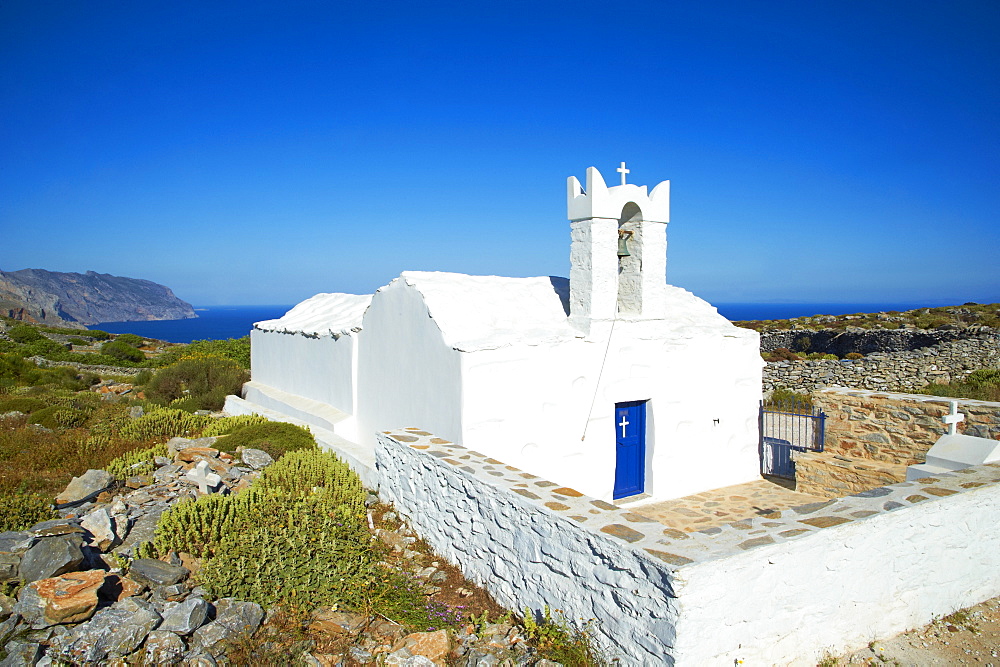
x,y
238,615
163,648
198,659
157,573
232,618
142,530
167,473
117,630
31,607
175,445
85,487
56,527
102,529
21,653
51,556
136,411
8,566
186,617
6,606
13,414
256,458
16,541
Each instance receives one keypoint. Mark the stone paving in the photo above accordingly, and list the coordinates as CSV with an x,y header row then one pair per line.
x,y
723,506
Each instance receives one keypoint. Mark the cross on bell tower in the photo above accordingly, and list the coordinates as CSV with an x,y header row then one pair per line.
x,y
605,285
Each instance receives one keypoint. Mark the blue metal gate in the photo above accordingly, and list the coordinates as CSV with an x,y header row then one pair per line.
x,y
788,428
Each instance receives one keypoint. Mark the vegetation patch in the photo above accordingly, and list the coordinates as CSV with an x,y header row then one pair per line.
x,y
200,383
981,385
275,438
19,511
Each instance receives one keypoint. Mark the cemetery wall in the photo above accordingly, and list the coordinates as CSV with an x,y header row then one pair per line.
x,y
787,588
945,362
871,437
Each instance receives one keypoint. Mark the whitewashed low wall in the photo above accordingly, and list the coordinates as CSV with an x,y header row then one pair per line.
x,y
783,589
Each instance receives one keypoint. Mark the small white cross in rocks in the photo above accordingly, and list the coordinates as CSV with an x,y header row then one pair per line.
x,y
201,476
953,418
623,424
622,170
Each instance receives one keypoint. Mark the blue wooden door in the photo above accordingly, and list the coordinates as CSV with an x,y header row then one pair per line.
x,y
630,436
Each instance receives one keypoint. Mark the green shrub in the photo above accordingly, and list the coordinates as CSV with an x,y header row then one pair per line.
x,y
98,334
234,349
310,470
19,511
22,333
24,404
122,351
983,378
143,377
781,354
163,423
131,339
275,438
786,400
58,416
227,425
557,639
207,380
854,355
136,462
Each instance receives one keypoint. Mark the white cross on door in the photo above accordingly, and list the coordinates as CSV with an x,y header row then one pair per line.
x,y
623,424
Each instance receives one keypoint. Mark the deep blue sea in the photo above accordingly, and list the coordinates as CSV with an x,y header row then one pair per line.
x,y
212,323
217,322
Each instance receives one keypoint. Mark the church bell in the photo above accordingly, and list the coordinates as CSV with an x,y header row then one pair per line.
x,y
623,244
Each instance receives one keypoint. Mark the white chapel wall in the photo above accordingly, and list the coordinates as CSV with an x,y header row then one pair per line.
x,y
318,368
529,406
407,374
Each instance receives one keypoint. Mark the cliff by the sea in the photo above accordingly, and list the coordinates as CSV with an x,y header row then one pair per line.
x,y
78,299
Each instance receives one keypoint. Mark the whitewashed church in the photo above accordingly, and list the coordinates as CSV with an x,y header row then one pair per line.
x,y
612,382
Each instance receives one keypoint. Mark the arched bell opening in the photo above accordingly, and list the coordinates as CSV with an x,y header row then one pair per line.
x,y
630,260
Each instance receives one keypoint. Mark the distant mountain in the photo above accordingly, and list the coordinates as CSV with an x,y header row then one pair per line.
x,y
77,299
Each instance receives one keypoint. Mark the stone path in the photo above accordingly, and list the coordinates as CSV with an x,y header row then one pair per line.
x,y
723,506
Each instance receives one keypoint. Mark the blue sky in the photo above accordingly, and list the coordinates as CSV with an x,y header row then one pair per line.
x,y
260,152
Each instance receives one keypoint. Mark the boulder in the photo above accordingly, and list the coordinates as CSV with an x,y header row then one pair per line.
x,y
185,617
115,631
70,598
232,618
16,541
8,566
256,458
85,487
101,526
434,646
153,572
56,527
51,556
163,648
20,653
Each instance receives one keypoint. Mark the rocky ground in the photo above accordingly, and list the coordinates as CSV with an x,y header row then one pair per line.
x,y
967,637
82,605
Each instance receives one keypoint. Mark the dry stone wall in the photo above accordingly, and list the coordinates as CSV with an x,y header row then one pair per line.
x,y
944,362
865,341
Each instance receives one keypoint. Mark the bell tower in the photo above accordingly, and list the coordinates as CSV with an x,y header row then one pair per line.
x,y
618,253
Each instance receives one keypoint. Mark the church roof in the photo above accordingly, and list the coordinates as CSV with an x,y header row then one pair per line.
x,y
486,312
322,315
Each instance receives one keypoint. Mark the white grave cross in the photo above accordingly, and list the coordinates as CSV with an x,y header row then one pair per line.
x,y
953,418
623,424
205,479
622,170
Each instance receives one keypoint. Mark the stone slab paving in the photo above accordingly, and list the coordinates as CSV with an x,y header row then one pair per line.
x,y
719,507
677,548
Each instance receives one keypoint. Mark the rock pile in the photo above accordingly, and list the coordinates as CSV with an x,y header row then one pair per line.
x,y
79,606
